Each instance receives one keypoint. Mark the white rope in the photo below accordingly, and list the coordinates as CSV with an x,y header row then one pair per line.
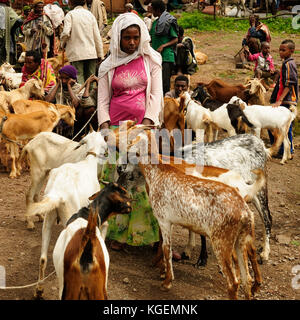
x,y
29,285
85,124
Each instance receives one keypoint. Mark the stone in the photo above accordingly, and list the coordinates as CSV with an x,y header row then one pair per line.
x,y
126,280
283,239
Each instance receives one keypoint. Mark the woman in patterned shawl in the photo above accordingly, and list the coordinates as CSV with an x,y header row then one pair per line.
x,y
37,68
38,30
130,88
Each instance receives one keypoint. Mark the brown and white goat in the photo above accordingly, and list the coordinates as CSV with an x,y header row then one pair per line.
x,y
80,255
209,208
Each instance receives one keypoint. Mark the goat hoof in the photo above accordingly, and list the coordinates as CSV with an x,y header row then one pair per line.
x,y
162,276
38,295
201,263
165,287
30,226
184,256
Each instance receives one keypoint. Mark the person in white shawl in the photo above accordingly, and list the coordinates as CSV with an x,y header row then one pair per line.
x,y
118,58
130,87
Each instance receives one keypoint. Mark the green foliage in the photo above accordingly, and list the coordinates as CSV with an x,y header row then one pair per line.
x,y
295,243
203,22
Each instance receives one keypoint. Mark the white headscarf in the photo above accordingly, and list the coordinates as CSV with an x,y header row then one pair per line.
x,y
117,57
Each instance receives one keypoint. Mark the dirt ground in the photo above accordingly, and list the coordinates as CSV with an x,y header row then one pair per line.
x,y
131,276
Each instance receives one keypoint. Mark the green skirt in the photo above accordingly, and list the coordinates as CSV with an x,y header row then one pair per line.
x,y
137,228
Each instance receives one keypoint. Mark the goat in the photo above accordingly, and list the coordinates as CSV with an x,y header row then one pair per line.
x,y
177,198
7,67
173,117
22,106
268,117
239,4
197,117
256,91
221,91
32,88
46,151
222,115
21,127
80,255
241,154
10,80
67,190
58,62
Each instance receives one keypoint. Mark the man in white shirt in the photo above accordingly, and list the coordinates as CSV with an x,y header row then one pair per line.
x,y
97,8
82,40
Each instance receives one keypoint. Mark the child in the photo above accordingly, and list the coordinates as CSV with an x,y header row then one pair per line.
x,y
286,90
264,65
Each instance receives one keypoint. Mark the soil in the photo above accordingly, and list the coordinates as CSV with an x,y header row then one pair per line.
x,y
131,275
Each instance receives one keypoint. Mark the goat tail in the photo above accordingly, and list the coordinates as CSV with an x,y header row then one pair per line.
x,y
294,111
257,185
86,246
43,207
22,155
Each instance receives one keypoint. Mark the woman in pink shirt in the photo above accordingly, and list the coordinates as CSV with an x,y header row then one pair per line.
x,y
130,88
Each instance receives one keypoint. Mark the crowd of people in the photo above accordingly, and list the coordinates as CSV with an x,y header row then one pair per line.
x,y
130,82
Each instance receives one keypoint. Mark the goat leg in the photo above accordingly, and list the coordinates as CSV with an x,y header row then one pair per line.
x,y
202,260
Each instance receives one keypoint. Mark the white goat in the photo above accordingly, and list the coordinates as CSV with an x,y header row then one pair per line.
x,y
197,117
268,117
11,80
32,88
46,151
68,189
222,117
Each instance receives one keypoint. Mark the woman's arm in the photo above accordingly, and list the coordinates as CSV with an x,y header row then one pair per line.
x,y
103,102
154,104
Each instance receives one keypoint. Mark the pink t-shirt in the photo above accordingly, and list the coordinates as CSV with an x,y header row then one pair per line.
x,y
128,85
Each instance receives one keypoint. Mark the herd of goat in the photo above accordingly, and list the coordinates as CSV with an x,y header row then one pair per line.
x,y
209,199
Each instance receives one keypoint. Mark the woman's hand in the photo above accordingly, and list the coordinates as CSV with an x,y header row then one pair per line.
x,y
104,125
147,122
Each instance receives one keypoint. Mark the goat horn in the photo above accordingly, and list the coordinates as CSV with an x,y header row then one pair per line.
x,y
104,182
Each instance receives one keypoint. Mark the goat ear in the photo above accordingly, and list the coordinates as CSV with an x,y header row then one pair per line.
x,y
104,182
94,196
182,104
91,129
262,87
